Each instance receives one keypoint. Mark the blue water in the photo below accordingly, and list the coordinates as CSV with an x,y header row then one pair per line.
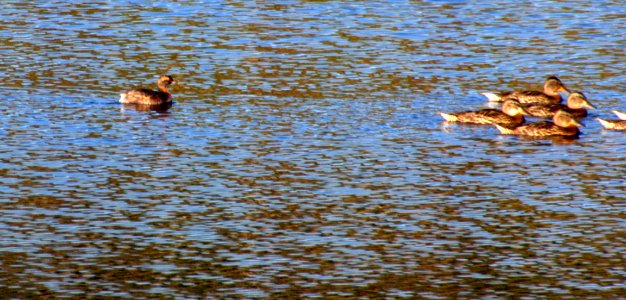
x,y
304,156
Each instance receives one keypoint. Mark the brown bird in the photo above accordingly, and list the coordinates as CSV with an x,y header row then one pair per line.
x,y
576,104
550,94
511,115
563,124
615,124
150,97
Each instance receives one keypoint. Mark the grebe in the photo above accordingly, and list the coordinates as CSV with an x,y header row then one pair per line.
x,y
150,97
564,124
615,124
551,88
511,115
576,104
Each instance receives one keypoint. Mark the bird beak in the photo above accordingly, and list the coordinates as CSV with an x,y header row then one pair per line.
x,y
523,111
588,105
563,89
578,124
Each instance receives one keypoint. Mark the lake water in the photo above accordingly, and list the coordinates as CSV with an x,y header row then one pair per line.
x,y
304,156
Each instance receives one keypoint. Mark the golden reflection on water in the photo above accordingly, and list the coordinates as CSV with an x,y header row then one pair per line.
x,y
303,156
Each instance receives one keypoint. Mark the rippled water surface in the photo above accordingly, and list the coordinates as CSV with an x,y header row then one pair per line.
x,y
304,156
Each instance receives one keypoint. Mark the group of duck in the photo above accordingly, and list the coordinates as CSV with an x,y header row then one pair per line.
x,y
509,120
542,104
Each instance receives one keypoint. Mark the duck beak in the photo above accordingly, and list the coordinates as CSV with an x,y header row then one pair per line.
x,y
523,111
588,105
578,124
563,89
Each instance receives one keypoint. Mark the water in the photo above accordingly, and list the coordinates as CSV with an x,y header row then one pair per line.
x,y
304,155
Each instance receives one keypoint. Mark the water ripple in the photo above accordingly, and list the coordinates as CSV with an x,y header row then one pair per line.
x,y
304,155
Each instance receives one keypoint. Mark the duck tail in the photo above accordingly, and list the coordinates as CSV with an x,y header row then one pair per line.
x,y
620,115
606,124
491,97
504,130
449,118
122,97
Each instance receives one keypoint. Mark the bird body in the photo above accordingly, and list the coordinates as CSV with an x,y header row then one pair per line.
x,y
511,115
563,124
150,97
576,106
550,94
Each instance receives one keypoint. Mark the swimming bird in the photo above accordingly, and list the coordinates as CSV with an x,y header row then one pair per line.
x,y
563,124
576,104
615,124
150,97
550,94
511,115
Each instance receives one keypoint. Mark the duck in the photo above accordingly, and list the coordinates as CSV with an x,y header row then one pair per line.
x,y
563,124
511,115
150,97
576,105
619,124
550,94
